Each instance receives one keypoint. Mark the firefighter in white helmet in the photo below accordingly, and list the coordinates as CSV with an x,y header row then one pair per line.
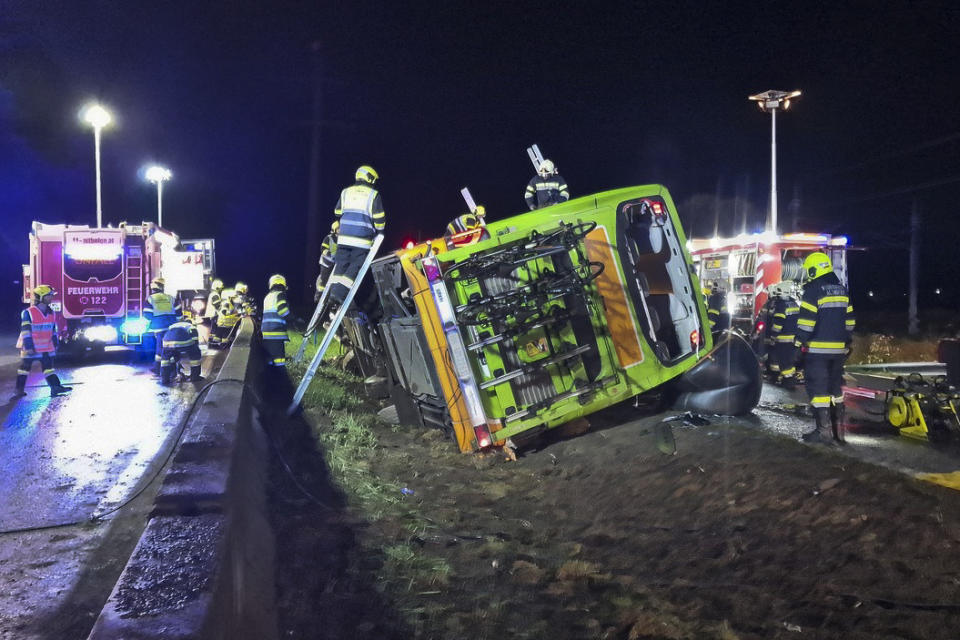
x,y
213,302
161,310
38,342
227,318
360,213
273,325
546,188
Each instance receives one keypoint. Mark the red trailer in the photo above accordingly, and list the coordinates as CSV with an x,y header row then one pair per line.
x,y
748,264
102,276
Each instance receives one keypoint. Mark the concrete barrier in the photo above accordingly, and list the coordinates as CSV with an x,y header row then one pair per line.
x,y
203,568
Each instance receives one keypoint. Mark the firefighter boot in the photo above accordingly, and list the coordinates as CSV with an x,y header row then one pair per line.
x,y
21,387
819,434
195,373
166,372
837,412
56,388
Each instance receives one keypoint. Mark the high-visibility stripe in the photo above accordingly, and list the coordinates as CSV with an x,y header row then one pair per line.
x,y
820,401
23,372
833,305
827,345
786,338
274,334
48,372
779,315
789,372
850,309
778,327
360,243
792,310
775,368
827,299
194,363
179,343
806,305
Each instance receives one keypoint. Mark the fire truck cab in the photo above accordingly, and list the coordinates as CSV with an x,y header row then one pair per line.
x,y
102,276
747,265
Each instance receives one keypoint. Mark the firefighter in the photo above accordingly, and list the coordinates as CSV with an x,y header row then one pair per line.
x,y
227,318
783,332
161,310
273,326
824,331
717,311
462,224
38,340
213,303
180,342
546,188
361,216
328,254
242,300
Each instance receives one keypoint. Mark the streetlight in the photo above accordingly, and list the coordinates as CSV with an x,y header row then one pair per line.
x,y
158,175
771,101
97,117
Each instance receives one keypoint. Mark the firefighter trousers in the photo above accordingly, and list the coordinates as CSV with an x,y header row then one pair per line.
x,y
46,363
824,379
345,270
276,353
785,357
171,355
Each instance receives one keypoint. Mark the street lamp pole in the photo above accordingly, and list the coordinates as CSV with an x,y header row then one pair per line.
x,y
771,101
97,117
158,175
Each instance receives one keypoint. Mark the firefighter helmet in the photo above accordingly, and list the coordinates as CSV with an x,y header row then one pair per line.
x,y
480,211
547,168
817,264
158,284
241,288
367,174
217,285
43,290
275,280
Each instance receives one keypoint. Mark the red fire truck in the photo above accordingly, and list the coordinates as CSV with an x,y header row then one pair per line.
x,y
102,276
748,264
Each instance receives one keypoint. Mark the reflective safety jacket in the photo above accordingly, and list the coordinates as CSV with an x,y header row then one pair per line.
x,y
826,321
784,326
227,313
543,192
180,334
273,326
361,216
328,251
161,310
38,331
462,224
213,302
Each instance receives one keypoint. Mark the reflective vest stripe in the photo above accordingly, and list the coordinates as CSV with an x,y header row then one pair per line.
x,y
42,330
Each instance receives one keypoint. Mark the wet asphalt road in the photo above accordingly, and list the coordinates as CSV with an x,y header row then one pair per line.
x,y
869,437
64,459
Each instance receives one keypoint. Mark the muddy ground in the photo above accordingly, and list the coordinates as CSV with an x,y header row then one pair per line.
x,y
600,535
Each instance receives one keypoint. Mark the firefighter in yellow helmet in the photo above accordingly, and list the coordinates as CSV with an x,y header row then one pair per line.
x,y
824,331
360,214
328,255
242,299
546,188
161,310
468,228
38,341
273,326
180,342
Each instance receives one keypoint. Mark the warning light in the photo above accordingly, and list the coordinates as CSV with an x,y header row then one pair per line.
x,y
409,244
761,325
695,338
484,439
657,209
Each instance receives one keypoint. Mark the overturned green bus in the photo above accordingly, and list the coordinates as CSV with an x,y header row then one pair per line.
x,y
559,313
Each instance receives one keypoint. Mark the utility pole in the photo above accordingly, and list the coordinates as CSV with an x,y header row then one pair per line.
x,y
913,324
313,197
769,102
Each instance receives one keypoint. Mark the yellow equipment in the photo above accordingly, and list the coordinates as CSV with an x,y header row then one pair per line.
x,y
923,410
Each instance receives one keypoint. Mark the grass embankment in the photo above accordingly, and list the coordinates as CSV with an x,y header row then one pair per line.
x,y
467,546
349,443
878,348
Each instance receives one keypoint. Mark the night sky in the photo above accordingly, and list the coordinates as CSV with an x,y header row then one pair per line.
x,y
441,95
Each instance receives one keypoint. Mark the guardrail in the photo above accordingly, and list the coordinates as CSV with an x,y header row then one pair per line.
x,y
203,568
